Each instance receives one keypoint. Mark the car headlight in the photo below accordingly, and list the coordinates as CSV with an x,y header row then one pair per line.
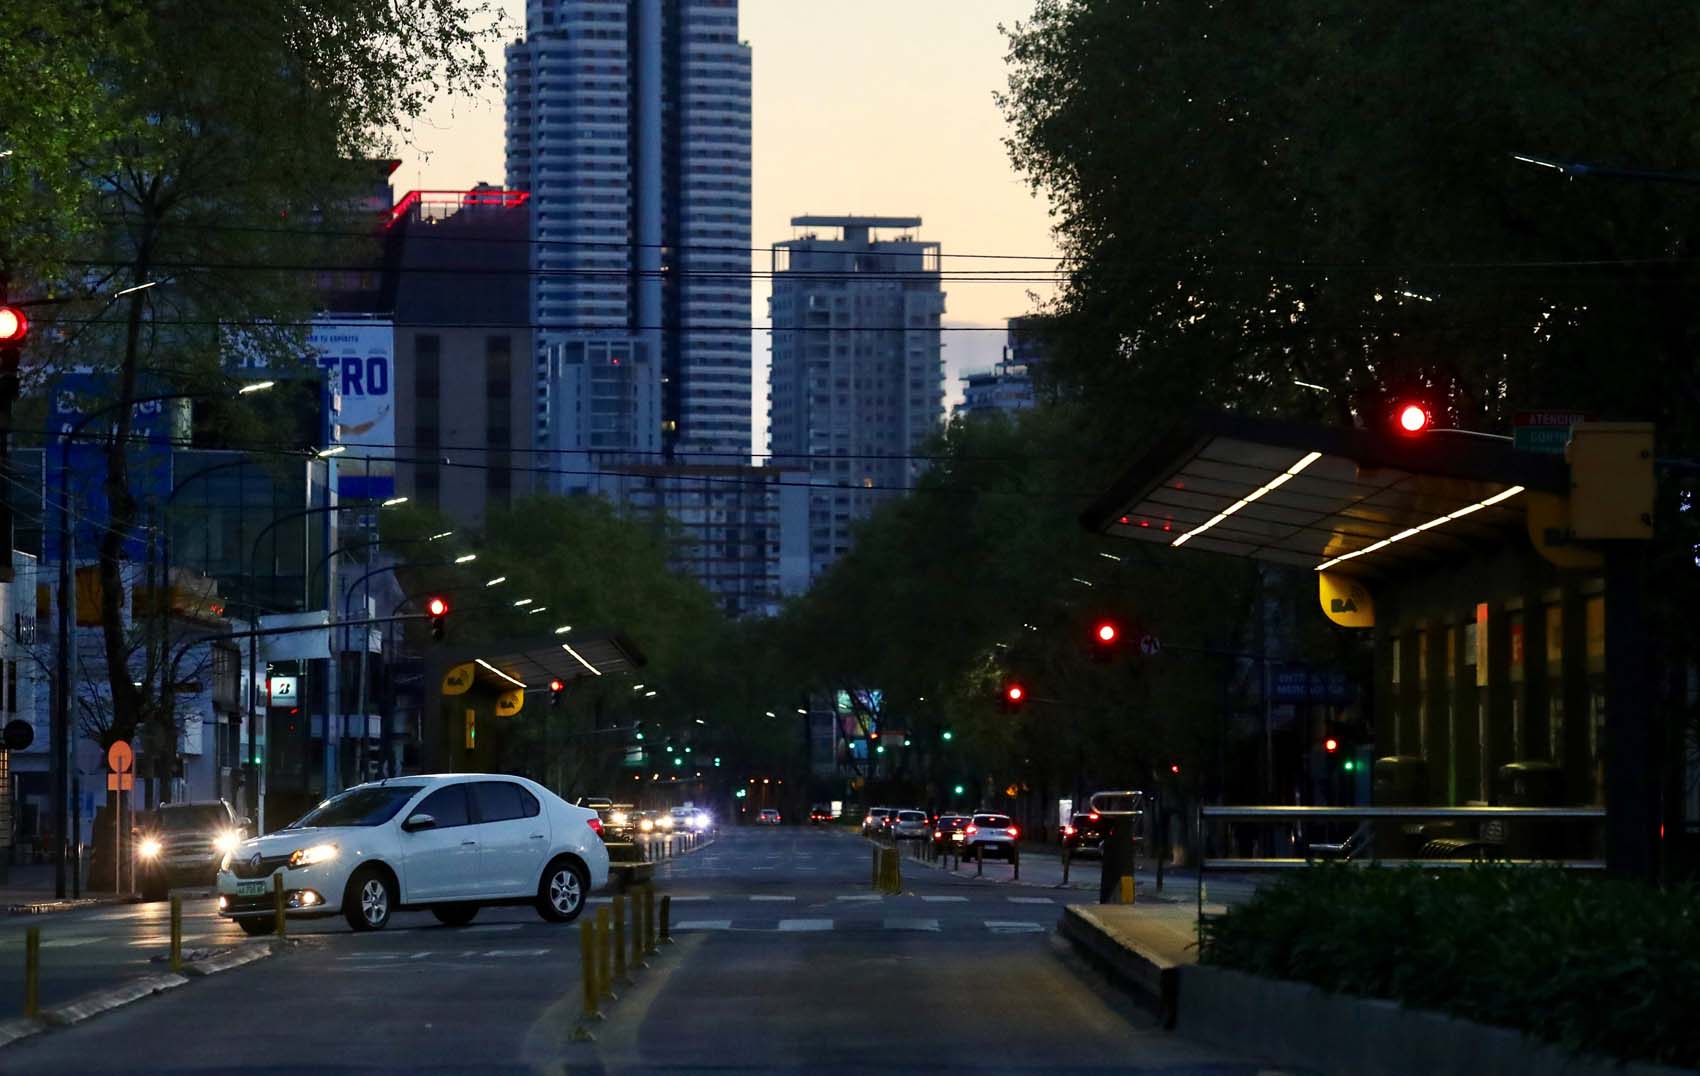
x,y
667,821
318,853
148,849
618,818
227,841
224,864
646,825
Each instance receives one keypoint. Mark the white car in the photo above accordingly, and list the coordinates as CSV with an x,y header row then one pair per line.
x,y
448,842
910,825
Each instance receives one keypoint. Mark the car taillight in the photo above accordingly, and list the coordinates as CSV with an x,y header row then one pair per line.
x,y
595,824
1013,832
1068,831
1091,818
971,830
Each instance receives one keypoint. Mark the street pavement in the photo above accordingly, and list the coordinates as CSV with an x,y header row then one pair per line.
x,y
784,960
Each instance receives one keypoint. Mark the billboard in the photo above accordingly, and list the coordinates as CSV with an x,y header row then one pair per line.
x,y
81,401
358,358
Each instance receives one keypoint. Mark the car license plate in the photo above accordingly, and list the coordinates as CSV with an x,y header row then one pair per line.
x,y
256,888
957,837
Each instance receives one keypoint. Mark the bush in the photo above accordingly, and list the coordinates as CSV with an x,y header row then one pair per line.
x,y
1605,966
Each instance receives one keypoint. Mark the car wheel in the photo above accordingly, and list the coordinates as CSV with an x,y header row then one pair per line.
x,y
561,893
368,900
256,927
454,915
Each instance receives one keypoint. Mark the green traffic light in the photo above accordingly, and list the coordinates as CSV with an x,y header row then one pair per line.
x,y
906,742
957,790
949,735
640,735
1348,765
740,794
717,760
880,750
678,761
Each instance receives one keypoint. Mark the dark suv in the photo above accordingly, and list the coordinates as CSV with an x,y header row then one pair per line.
x,y
184,843
1084,835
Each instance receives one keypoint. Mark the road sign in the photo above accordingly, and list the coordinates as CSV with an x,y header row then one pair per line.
x,y
1544,431
19,735
1149,646
121,759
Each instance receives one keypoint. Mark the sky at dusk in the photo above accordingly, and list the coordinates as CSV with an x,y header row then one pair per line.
x,y
876,107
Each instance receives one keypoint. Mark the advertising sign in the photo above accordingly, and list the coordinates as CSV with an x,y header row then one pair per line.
x,y
358,358
74,399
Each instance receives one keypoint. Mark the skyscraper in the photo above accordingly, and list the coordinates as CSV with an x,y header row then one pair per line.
x,y
628,121
857,375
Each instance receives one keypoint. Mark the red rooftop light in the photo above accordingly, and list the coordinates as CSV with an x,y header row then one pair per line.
x,y
1413,418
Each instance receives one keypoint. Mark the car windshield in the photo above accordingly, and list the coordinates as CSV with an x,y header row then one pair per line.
x,y
372,805
911,816
212,816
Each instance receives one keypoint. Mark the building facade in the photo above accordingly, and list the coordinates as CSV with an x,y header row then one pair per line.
x,y
1007,387
857,373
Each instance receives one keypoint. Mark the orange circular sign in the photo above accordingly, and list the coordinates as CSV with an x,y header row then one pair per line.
x,y
120,757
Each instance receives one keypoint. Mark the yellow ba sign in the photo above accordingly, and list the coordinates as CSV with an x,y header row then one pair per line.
x,y
509,703
458,680
1345,601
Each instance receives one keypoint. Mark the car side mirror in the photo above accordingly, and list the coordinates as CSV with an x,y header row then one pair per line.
x,y
418,822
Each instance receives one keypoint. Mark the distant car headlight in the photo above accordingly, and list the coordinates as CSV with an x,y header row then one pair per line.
x,y
148,849
646,825
318,853
702,820
666,821
617,818
227,841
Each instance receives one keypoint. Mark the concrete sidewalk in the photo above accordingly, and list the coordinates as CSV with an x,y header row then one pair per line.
x,y
29,889
1138,945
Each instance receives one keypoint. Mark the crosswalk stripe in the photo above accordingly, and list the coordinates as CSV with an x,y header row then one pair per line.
x,y
770,898
494,928
690,900
1031,900
945,900
862,898
67,943
704,924
802,925
1010,926
912,924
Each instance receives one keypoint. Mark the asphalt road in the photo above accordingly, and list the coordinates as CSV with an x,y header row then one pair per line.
x,y
784,960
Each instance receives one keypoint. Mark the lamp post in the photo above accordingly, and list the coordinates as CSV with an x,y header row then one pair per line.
x,y
65,771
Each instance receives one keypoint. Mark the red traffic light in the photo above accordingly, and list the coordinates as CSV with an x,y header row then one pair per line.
x,y
1014,693
14,326
437,607
1331,745
1107,632
1413,418
556,685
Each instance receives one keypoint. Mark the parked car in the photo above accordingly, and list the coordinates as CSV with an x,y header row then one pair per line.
x,y
183,844
875,820
990,835
768,817
820,814
450,843
617,821
1084,834
909,824
948,831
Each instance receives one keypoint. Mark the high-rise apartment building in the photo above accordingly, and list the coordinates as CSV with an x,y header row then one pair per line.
x,y
857,375
628,121
1008,386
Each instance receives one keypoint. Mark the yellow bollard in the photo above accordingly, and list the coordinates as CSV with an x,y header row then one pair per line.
x,y
176,933
1127,889
587,966
620,935
277,905
604,969
32,972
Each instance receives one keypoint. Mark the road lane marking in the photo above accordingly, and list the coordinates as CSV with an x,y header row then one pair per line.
x,y
1031,900
689,900
67,943
516,952
764,868
862,898
492,928
800,925
912,924
704,924
945,900
771,898
1011,926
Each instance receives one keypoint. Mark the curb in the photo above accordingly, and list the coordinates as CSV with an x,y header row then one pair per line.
x,y
1125,961
45,907
103,1001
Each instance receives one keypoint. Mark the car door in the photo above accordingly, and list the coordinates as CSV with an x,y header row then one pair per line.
x,y
513,837
441,863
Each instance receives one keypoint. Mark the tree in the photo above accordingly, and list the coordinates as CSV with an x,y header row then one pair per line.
x,y
218,175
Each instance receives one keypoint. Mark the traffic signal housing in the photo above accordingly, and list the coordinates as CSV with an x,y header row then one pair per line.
x,y
557,689
1106,640
438,610
1412,418
1013,697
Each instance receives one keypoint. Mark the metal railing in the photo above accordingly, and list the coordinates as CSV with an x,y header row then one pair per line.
x,y
1480,848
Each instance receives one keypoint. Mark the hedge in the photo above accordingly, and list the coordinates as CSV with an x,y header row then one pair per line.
x,y
1596,965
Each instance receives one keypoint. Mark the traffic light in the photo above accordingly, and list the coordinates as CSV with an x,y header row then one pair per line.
x,y
14,326
557,688
439,611
958,790
1331,745
1412,418
947,735
1106,640
1013,698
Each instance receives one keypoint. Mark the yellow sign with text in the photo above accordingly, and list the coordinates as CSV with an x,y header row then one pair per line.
x,y
1345,600
509,703
458,680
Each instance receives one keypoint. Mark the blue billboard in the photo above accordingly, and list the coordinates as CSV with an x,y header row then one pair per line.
x,y
82,402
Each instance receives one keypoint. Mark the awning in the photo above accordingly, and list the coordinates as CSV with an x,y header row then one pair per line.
x,y
1351,501
532,663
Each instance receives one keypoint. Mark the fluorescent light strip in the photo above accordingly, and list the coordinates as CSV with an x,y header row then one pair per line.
x,y
1275,483
498,672
1503,495
594,671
